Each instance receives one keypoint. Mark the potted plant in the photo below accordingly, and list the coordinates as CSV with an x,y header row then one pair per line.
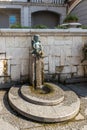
x,y
71,21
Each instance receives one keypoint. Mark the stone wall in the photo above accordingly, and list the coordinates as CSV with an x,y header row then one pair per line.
x,y
62,49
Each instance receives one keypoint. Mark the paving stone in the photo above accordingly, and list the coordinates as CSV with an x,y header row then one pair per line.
x,y
6,109
20,123
1,107
79,117
86,111
6,126
56,127
24,124
35,128
84,128
2,93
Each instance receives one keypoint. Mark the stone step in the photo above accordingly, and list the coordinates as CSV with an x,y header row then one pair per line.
x,y
76,80
54,98
63,111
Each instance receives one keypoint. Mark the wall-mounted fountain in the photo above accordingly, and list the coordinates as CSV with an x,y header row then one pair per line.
x,y
42,101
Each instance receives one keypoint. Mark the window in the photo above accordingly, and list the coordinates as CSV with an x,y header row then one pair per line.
x,y
12,19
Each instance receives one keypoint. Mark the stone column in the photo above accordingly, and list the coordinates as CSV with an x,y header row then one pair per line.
x,y
29,16
24,16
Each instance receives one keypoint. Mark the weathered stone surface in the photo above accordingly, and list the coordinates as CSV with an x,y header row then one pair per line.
x,y
84,127
79,117
21,42
19,53
2,44
67,69
25,67
86,112
46,49
15,72
50,40
35,128
1,68
10,42
55,96
39,72
57,113
1,80
80,70
61,48
43,40
6,126
1,107
8,115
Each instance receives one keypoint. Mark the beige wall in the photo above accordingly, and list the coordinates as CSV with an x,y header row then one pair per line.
x,y
62,48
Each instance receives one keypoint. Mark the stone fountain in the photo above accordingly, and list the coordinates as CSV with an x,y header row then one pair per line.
x,y
42,101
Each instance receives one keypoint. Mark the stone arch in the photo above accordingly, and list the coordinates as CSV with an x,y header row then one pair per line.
x,y
48,18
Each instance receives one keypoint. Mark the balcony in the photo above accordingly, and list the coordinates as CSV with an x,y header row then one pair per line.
x,y
60,2
48,1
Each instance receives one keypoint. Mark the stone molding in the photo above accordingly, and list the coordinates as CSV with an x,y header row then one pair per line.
x,y
44,32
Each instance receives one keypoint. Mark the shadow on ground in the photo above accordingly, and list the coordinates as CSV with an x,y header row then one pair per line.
x,y
10,110
79,88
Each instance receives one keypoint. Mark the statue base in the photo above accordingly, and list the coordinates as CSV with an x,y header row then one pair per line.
x,y
50,107
37,72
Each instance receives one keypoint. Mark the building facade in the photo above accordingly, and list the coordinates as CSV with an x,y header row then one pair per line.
x,y
31,12
79,8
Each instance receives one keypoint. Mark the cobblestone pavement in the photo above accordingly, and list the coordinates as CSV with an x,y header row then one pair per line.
x,y
10,120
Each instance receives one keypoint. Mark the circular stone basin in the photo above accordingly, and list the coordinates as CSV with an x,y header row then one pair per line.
x,y
50,94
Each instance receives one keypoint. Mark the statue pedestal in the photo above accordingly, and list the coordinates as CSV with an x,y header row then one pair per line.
x,y
37,72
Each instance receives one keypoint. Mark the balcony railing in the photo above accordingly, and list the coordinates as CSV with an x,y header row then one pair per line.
x,y
48,1
38,1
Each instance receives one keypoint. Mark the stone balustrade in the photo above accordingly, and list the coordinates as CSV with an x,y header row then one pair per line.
x,y
48,1
37,1
62,49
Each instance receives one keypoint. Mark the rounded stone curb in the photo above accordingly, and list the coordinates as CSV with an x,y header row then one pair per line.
x,y
27,95
64,111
